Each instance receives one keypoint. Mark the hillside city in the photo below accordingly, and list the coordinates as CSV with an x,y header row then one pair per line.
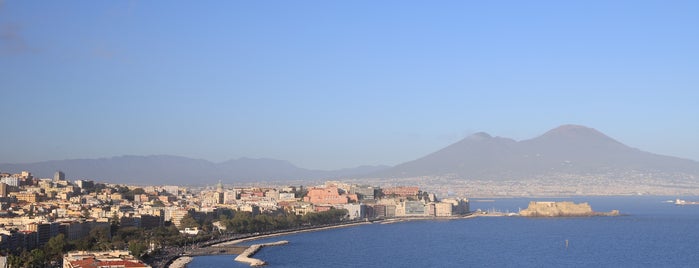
x,y
554,185
54,222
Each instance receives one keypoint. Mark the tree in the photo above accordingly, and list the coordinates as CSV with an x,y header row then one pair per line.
x,y
100,237
137,248
114,223
55,247
189,222
129,194
158,203
37,258
85,212
15,260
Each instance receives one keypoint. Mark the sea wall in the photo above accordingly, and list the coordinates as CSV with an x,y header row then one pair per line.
x,y
562,209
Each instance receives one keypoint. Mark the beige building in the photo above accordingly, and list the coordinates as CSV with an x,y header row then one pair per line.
x,y
175,215
101,259
27,197
3,189
443,209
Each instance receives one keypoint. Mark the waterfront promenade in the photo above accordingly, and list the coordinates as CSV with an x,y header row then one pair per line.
x,y
170,256
229,244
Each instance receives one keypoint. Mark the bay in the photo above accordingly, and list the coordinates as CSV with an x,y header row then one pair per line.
x,y
652,233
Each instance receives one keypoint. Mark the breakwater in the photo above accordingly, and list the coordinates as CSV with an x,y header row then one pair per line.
x,y
246,256
181,262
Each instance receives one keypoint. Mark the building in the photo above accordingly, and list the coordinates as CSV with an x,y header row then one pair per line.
x,y
190,231
460,206
287,197
363,192
83,184
443,209
355,211
327,195
172,189
3,189
59,176
175,215
26,175
44,231
411,209
401,191
101,259
75,230
379,211
151,221
27,197
11,181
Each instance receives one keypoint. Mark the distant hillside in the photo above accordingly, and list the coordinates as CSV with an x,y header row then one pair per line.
x,y
568,149
166,169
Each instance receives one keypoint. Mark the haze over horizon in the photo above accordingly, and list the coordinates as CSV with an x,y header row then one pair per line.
x,y
328,85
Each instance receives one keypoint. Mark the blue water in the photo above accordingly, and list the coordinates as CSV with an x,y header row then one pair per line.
x,y
653,234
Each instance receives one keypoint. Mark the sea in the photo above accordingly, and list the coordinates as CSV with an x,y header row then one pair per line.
x,y
652,232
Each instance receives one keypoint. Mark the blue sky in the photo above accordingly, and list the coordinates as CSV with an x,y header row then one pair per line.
x,y
331,84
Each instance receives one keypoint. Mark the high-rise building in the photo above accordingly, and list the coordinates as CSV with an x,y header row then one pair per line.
x,y
59,176
11,181
3,189
85,184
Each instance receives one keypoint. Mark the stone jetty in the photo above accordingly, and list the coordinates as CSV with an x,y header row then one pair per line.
x,y
181,262
246,256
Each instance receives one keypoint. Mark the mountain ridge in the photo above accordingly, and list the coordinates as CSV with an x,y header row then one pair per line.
x,y
568,149
171,169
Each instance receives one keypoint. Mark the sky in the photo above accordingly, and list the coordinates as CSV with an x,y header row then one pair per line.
x,y
338,84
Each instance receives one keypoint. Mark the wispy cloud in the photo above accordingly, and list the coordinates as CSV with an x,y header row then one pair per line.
x,y
12,41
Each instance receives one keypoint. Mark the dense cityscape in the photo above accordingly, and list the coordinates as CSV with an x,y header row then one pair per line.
x,y
55,222
560,184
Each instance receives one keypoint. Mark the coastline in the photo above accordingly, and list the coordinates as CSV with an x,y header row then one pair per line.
x,y
241,240
384,221
182,261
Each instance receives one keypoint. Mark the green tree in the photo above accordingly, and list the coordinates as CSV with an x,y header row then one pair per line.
x,y
138,248
114,223
100,238
37,258
129,194
189,222
158,203
55,247
15,260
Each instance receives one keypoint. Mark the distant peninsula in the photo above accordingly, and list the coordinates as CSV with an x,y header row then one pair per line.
x,y
562,209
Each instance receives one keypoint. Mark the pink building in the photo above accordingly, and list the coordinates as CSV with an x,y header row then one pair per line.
x,y
327,195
